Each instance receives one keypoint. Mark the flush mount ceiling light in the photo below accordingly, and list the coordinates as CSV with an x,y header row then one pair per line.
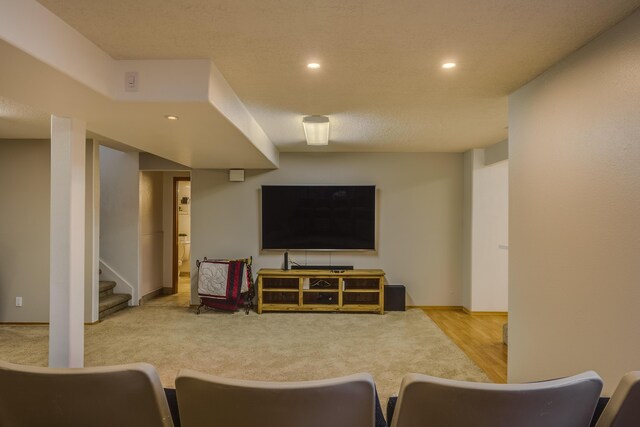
x,y
313,65
449,65
316,130
171,117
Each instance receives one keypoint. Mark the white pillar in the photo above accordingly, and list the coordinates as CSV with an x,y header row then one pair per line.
x,y
66,300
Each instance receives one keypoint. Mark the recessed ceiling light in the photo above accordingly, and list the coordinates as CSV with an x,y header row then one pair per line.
x,y
171,117
313,65
448,65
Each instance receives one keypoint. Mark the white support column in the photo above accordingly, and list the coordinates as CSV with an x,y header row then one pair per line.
x,y
66,300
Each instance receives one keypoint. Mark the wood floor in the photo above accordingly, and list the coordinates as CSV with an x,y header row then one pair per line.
x,y
479,336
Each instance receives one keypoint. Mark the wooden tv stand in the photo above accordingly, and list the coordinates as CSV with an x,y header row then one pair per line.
x,y
321,290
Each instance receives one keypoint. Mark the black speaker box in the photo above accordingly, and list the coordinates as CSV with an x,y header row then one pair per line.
x,y
394,298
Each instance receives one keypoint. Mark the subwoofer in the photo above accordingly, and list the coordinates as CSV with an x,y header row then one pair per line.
x,y
394,298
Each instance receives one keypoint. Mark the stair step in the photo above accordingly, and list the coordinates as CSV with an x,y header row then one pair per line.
x,y
112,303
106,287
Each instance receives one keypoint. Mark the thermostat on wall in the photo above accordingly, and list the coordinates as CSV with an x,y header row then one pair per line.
x,y
236,175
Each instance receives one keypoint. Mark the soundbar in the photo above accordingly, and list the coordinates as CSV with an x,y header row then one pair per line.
x,y
321,267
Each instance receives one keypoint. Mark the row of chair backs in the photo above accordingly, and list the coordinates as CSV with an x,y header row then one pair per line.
x,y
132,395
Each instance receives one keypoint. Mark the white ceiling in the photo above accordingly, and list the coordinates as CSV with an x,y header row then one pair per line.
x,y
30,91
380,79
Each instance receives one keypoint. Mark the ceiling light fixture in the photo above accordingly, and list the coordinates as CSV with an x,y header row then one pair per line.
x,y
171,117
316,130
449,65
313,65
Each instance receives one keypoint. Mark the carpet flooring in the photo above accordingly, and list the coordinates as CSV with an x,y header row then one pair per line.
x,y
271,346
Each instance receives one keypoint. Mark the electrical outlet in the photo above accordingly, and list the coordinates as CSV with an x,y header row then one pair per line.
x,y
18,301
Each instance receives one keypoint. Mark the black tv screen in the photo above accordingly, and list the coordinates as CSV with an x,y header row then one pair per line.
x,y
318,217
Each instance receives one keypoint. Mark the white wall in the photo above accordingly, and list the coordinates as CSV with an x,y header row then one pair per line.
x,y
496,152
119,220
489,235
467,219
419,217
574,214
92,231
151,233
25,167
485,230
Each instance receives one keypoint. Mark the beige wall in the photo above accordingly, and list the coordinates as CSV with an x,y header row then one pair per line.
x,y
151,233
574,136
25,175
119,216
25,170
419,216
151,162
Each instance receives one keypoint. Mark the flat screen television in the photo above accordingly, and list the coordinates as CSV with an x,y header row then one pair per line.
x,y
318,217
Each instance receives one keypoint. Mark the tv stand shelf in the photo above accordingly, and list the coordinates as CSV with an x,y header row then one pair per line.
x,y
321,290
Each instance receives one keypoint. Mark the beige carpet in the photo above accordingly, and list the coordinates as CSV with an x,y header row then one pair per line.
x,y
272,346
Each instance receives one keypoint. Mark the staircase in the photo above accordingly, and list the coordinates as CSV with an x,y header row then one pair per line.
x,y
110,302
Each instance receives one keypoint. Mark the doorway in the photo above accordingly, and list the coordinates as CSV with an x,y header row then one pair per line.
x,y
182,235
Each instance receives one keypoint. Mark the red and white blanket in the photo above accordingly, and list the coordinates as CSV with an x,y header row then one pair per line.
x,y
221,283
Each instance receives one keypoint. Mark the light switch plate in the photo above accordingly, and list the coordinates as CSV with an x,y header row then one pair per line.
x,y
131,81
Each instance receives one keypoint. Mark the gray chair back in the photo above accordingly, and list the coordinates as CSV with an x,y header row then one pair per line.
x,y
122,395
424,400
340,402
623,409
